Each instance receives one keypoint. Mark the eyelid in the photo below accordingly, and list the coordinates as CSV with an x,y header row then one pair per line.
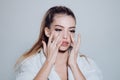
x,y
56,29
73,31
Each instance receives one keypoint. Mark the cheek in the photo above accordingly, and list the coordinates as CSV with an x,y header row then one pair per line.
x,y
55,35
71,33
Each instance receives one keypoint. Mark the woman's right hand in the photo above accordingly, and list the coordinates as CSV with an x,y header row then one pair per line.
x,y
51,49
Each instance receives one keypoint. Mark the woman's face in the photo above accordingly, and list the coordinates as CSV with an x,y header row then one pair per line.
x,y
63,25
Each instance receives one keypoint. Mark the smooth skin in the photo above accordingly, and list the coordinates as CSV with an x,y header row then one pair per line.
x,y
62,29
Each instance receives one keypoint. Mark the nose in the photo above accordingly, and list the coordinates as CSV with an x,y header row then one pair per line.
x,y
65,34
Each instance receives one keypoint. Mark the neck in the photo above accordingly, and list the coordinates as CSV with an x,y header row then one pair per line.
x,y
62,58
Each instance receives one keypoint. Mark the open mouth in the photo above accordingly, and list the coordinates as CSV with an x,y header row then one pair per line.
x,y
65,43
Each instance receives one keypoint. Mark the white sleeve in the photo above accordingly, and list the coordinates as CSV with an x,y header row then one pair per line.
x,y
94,73
25,71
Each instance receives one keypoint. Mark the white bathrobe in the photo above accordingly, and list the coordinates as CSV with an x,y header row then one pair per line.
x,y
28,69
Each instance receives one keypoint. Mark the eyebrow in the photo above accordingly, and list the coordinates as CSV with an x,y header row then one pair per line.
x,y
63,26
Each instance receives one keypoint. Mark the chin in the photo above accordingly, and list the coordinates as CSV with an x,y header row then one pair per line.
x,y
63,48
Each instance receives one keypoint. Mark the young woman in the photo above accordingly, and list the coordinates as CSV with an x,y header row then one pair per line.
x,y
55,56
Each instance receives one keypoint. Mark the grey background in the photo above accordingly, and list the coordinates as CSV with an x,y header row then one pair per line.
x,y
98,21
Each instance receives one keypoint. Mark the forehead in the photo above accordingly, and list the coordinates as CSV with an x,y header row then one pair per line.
x,y
63,20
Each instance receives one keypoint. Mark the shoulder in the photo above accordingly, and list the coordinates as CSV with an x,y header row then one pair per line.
x,y
86,58
29,61
89,67
28,68
86,61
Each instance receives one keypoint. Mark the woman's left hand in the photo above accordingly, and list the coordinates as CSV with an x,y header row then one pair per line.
x,y
72,60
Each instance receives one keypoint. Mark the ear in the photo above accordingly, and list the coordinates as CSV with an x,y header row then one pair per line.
x,y
47,31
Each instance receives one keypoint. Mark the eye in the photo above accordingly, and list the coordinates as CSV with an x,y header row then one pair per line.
x,y
58,29
72,31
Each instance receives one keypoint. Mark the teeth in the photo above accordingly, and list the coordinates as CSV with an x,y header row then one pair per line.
x,y
65,43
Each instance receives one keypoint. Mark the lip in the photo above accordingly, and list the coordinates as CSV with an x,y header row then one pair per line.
x,y
65,43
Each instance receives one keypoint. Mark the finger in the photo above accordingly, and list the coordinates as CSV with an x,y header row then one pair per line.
x,y
72,40
58,45
58,39
57,42
78,43
50,38
78,40
44,47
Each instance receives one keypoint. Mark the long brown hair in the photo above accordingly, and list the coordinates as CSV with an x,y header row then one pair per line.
x,y
46,22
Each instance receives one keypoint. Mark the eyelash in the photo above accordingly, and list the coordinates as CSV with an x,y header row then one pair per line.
x,y
58,29
72,31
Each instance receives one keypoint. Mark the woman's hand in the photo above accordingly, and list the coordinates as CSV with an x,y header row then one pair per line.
x,y
72,60
51,49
